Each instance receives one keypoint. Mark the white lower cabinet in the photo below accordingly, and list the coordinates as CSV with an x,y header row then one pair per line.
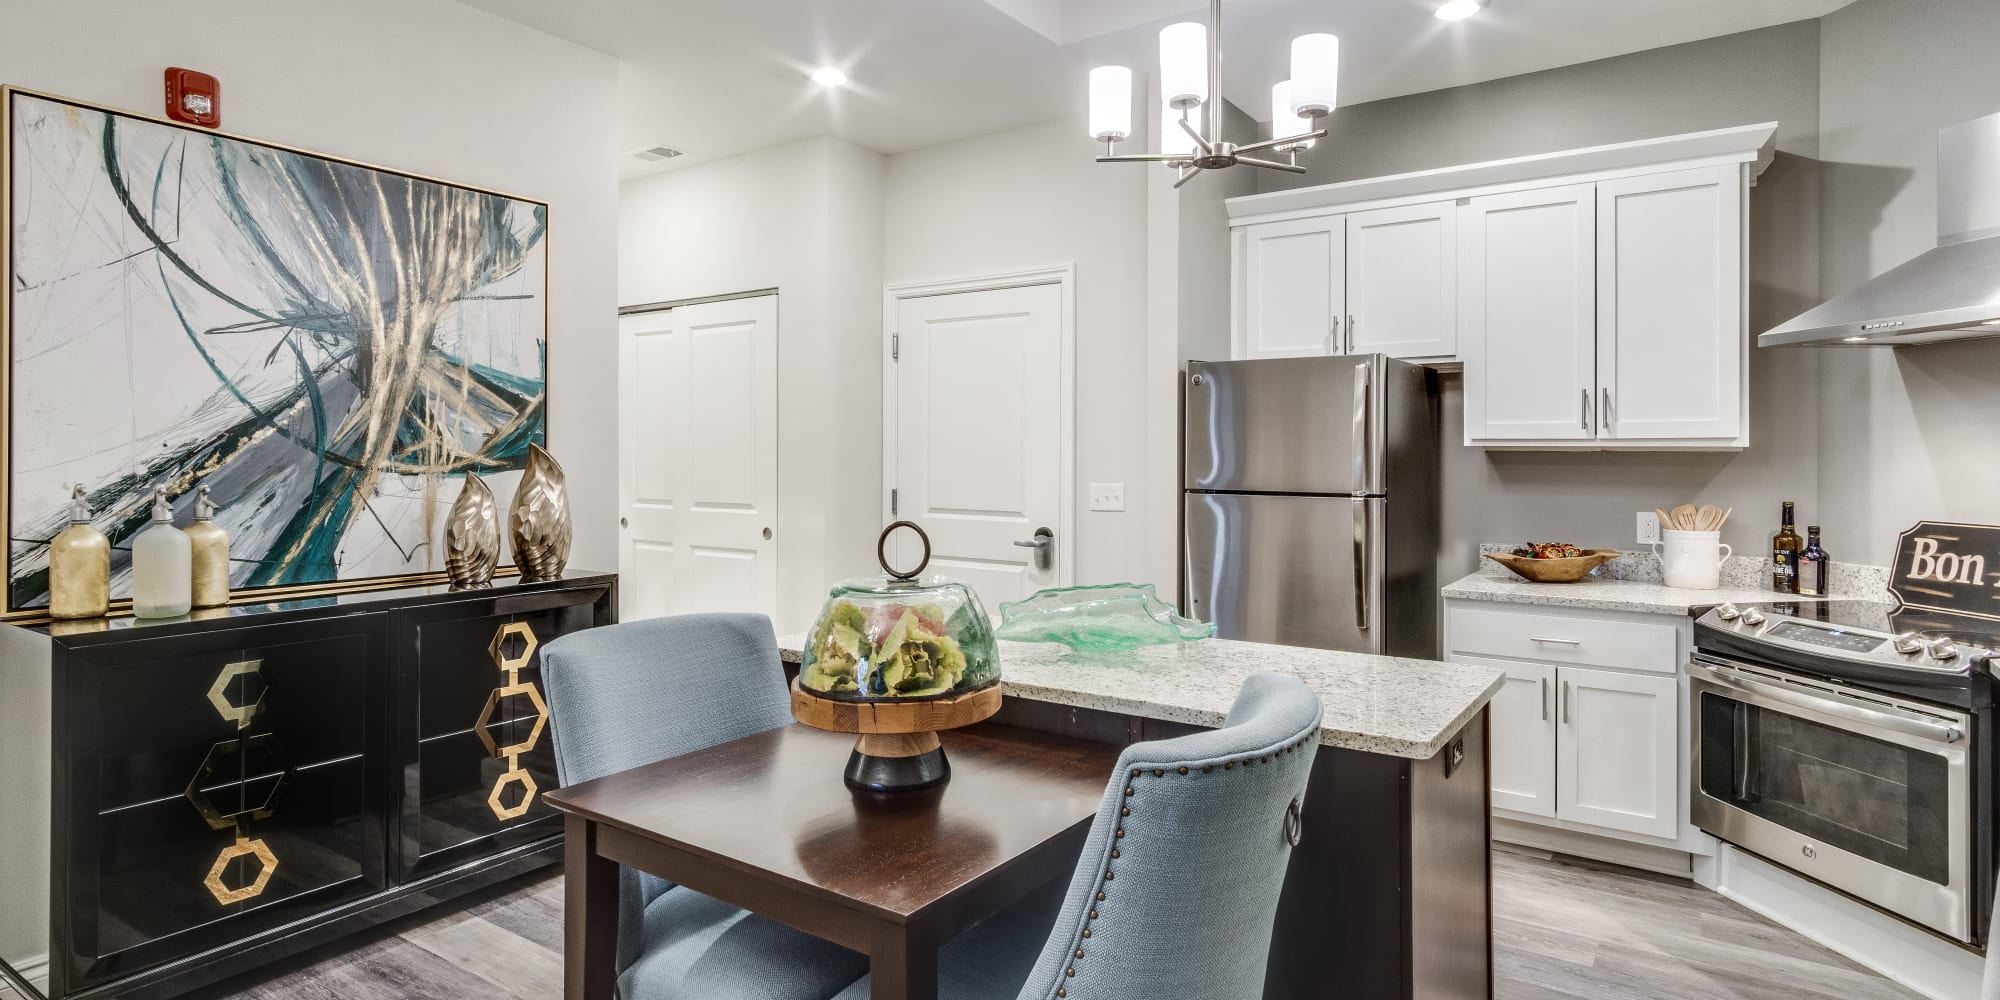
x,y
1586,731
1614,760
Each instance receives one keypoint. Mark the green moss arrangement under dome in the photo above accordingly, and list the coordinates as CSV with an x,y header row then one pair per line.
x,y
881,639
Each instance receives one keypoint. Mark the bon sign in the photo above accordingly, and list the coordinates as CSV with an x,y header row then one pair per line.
x,y
1954,568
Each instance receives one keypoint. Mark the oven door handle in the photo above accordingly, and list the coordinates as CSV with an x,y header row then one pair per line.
x,y
1828,704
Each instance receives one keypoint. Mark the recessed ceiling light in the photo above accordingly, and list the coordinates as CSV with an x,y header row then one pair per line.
x,y
827,76
1458,10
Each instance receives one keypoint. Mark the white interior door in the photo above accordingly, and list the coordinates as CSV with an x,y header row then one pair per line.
x,y
698,443
1527,315
1670,335
1615,760
975,433
1402,281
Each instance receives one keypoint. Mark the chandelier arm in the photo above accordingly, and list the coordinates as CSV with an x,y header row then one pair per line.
x,y
1186,177
1206,147
1144,158
1290,168
1286,141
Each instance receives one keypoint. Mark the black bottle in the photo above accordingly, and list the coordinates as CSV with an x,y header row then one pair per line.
x,y
1814,567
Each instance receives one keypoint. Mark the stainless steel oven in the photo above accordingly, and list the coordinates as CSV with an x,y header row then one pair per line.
x,y
1867,792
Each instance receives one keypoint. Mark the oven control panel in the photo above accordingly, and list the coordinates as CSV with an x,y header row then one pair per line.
x,y
1772,628
1823,635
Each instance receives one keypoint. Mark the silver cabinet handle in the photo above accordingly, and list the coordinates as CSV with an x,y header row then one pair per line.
x,y
1044,544
1604,411
1350,333
1584,420
1533,638
1565,701
1333,338
1542,696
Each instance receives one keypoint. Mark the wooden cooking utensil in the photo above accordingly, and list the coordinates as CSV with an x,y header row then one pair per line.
x,y
1684,517
1666,519
1709,518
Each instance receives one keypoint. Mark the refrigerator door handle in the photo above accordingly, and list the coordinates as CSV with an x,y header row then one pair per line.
x,y
1361,568
1361,429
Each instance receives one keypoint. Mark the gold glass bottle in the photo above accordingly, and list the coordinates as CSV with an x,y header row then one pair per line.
x,y
210,555
79,565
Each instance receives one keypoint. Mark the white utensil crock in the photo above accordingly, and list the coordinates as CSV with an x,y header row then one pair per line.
x,y
1691,560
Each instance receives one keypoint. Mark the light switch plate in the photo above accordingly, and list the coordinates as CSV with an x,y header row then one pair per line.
x,y
1649,527
1107,496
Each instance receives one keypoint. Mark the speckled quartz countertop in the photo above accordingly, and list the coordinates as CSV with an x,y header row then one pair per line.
x,y
1376,704
1635,596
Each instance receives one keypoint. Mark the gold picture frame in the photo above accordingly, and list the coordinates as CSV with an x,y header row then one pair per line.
x,y
13,611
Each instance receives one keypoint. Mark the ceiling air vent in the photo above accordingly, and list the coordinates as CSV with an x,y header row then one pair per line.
x,y
656,153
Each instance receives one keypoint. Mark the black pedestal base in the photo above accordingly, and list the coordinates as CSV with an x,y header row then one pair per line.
x,y
897,774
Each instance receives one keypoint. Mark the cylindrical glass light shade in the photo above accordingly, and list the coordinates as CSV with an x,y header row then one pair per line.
x,y
1184,63
1110,103
1284,121
1315,74
1174,140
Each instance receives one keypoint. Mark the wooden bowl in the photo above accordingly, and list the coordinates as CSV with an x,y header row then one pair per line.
x,y
1554,570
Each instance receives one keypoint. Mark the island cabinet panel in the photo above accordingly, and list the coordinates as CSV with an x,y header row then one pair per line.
x,y
1389,893
227,790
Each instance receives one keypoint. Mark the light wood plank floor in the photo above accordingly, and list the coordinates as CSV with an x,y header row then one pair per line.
x,y
1563,930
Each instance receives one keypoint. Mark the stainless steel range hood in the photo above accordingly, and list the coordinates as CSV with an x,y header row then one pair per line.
x,y
1950,293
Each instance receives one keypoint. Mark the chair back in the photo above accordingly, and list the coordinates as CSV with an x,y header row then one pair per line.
x,y
627,695
1178,885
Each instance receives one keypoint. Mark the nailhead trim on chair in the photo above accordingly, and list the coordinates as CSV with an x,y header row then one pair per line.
x,y
1131,791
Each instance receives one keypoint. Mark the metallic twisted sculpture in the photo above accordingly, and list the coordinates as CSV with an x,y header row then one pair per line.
x,y
540,519
472,536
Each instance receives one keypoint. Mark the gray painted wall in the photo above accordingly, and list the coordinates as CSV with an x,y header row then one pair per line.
x,y
1913,432
1590,498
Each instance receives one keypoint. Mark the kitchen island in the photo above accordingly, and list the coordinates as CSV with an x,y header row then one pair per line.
x,y
1388,896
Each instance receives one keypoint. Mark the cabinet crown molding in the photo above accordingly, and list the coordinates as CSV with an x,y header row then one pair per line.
x,y
1742,144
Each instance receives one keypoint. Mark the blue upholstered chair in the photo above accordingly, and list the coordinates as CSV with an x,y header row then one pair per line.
x,y
1177,888
632,694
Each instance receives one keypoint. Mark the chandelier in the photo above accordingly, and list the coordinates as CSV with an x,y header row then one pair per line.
x,y
1190,84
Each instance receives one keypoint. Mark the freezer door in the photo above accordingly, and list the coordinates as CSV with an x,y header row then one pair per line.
x,y
1296,571
1285,425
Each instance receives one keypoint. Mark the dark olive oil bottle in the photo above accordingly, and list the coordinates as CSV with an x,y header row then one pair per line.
x,y
1785,548
1814,566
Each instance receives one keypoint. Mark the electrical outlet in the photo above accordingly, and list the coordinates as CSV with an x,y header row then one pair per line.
x,y
1107,496
1649,527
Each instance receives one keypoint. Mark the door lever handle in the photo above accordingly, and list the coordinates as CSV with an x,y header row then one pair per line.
x,y
1044,544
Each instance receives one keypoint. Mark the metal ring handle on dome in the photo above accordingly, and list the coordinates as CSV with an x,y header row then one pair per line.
x,y
882,551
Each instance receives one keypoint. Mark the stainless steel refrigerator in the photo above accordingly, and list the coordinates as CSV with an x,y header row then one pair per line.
x,y
1311,502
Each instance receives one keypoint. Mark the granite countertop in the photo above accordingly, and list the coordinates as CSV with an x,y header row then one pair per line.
x,y
1376,704
1637,596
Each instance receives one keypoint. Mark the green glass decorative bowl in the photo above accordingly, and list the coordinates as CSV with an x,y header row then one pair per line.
x,y
1100,617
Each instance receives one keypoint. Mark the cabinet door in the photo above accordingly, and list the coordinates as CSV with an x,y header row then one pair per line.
x,y
1402,281
1293,295
1527,315
1617,754
1671,331
1524,739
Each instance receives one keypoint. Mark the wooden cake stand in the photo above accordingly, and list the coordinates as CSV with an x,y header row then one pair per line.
x,y
897,749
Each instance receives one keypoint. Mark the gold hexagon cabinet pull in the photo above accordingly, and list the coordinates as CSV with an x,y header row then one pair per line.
x,y
218,693
514,687
267,863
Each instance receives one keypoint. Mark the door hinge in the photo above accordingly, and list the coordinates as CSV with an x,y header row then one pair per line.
x,y
893,502
895,347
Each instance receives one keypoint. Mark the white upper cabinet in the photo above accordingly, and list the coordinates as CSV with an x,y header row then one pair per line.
x,y
1293,300
1671,327
1402,279
1595,297
1527,315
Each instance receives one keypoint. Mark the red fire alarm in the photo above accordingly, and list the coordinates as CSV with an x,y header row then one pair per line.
x,y
195,98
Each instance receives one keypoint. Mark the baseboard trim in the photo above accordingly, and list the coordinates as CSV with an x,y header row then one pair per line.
x,y
1664,860
35,970
1915,958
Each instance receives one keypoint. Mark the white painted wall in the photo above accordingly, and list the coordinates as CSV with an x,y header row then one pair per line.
x,y
804,218
1032,197
429,86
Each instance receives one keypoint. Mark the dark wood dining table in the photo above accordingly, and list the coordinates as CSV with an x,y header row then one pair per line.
x,y
765,823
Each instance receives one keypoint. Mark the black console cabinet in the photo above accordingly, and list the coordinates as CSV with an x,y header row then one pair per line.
x,y
231,788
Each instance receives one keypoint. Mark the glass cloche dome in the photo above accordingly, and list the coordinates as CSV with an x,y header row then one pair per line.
x,y
890,639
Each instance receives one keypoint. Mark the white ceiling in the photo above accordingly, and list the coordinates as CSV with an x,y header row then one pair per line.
x,y
718,77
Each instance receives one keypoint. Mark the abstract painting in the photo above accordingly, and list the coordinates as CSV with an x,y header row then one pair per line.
x,y
330,347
